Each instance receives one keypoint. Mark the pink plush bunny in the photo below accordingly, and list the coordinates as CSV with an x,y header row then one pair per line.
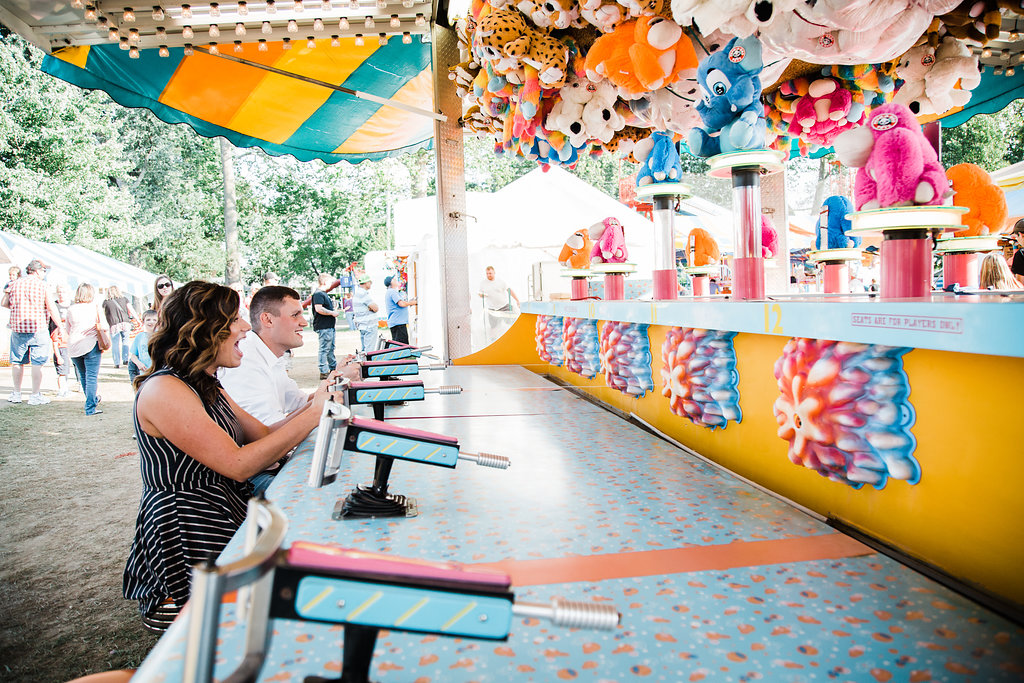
x,y
897,166
610,247
769,238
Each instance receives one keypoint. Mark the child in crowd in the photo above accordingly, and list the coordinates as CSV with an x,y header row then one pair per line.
x,y
61,360
139,360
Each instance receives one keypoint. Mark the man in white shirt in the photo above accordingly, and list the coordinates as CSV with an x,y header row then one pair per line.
x,y
497,296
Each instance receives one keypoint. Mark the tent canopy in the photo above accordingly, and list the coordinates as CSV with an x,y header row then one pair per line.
x,y
73,265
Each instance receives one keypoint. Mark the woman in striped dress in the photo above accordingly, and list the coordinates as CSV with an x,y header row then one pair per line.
x,y
197,448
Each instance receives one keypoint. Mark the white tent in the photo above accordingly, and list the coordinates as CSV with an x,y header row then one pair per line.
x,y
524,223
73,265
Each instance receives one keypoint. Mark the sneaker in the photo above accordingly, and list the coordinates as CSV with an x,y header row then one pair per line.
x,y
323,375
38,400
15,397
95,412
63,393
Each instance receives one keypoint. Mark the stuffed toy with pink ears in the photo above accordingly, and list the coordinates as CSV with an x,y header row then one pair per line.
x,y
609,242
769,238
897,165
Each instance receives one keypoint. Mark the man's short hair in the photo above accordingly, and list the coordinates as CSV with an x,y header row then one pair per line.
x,y
35,265
323,278
150,314
268,299
268,276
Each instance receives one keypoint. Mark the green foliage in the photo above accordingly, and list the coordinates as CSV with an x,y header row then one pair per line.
x,y
979,141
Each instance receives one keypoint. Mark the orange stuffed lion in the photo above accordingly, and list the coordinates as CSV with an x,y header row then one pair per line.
x,y
973,188
641,55
576,251
703,247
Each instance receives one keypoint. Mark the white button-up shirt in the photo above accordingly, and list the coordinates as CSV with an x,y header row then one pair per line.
x,y
260,384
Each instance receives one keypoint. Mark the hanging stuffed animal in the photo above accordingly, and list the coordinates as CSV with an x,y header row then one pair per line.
x,y
896,164
567,114
659,160
610,244
601,118
702,249
730,103
739,18
506,35
605,15
641,55
672,108
824,112
973,188
576,251
975,20
769,238
833,224
550,14
937,79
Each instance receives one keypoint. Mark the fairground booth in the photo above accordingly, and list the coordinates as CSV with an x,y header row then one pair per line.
x,y
684,469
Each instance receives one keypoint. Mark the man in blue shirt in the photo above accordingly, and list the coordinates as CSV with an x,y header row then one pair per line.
x,y
397,308
364,314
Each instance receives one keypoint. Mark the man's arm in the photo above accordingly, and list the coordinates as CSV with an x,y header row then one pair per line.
x,y
513,295
51,307
373,307
406,303
325,311
6,301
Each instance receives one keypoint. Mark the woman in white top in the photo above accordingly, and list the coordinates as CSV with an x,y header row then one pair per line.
x,y
84,317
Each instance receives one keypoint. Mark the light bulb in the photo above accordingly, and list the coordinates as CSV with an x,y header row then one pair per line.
x,y
297,6
243,9
214,9
998,71
395,23
343,24
335,42
1014,36
369,23
359,40
262,45
238,46
421,20
1020,58
286,44
186,32
133,52
382,40
161,32
133,35
158,13
112,34
1011,71
325,5
239,29
986,52
1004,55
77,4
381,4
293,26
101,22
186,12
406,38
318,24
214,31
267,29
310,43
271,7
124,44
213,49
408,3
188,50
353,4
90,13
164,52
128,15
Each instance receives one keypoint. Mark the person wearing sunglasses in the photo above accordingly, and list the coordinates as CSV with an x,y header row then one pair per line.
x,y
162,288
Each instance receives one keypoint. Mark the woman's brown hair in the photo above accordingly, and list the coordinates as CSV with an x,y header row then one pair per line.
x,y
193,323
158,298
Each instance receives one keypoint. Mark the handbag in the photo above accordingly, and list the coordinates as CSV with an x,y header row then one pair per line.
x,y
102,338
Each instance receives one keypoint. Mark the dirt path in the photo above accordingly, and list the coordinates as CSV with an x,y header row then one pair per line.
x,y
69,494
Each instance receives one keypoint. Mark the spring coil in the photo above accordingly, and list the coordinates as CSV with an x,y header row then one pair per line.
x,y
491,460
589,615
449,389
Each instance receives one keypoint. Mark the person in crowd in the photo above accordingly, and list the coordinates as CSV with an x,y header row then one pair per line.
x,y
260,384
996,273
139,360
84,321
30,338
243,306
59,337
325,319
197,447
162,288
119,314
364,313
496,294
396,307
13,273
1017,264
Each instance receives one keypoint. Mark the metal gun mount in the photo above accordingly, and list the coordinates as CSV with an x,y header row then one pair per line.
x,y
364,592
377,369
396,351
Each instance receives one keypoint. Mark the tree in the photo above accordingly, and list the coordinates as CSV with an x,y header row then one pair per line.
x,y
232,267
978,141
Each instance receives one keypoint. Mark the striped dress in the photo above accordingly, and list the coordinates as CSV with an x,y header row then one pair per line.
x,y
187,514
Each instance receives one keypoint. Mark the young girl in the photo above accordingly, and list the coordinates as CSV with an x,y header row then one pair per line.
x,y
138,360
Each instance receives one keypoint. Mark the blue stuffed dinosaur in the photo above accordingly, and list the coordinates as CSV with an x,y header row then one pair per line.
x,y
730,104
835,217
659,160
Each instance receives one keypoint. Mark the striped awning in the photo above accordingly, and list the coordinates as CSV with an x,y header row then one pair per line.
x,y
288,110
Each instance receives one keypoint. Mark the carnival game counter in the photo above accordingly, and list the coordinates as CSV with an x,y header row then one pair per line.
x,y
894,418
714,579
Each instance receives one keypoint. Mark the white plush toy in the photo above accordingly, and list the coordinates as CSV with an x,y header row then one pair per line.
x,y
600,118
671,108
736,17
851,31
937,79
567,114
913,66
603,14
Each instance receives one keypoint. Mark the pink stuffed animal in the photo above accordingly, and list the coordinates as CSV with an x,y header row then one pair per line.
x,y
897,166
610,246
824,112
769,238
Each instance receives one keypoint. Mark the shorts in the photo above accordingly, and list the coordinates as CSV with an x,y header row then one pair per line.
x,y
61,362
30,345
